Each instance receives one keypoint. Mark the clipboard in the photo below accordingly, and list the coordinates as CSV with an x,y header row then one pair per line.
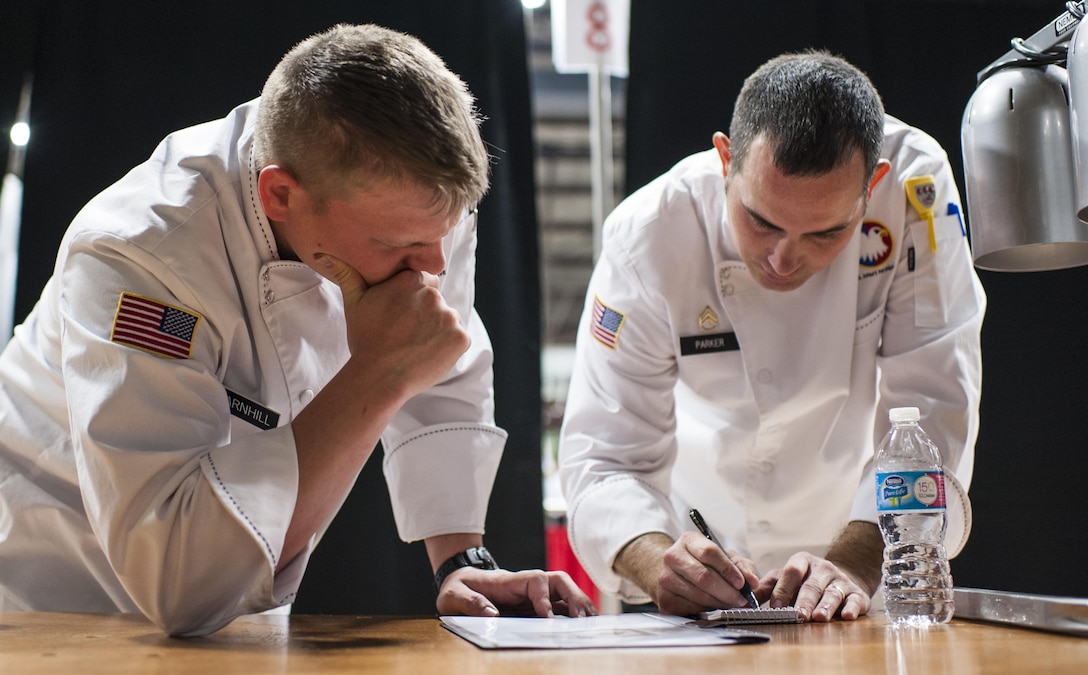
x,y
607,630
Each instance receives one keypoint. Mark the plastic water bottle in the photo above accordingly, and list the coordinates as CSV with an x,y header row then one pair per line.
x,y
911,511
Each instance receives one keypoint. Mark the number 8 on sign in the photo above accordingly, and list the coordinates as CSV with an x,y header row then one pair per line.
x,y
598,38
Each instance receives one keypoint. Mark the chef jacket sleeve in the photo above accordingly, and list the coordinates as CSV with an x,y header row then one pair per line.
x,y
191,519
442,449
617,444
930,354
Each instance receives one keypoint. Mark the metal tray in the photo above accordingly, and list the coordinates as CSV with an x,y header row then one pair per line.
x,y
1041,612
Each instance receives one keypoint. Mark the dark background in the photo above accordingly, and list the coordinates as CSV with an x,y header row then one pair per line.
x,y
112,78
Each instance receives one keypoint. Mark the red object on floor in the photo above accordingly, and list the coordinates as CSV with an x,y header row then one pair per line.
x,y
561,557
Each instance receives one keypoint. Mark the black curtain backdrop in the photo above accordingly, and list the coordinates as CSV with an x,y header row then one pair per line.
x,y
687,63
112,78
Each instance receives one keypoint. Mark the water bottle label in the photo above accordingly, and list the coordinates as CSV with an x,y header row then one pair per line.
x,y
901,491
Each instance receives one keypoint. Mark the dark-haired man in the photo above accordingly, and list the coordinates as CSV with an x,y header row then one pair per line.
x,y
754,314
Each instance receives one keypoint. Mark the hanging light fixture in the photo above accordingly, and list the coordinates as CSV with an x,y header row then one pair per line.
x,y
1024,152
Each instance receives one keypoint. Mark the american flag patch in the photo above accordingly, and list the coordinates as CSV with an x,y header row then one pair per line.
x,y
154,327
606,323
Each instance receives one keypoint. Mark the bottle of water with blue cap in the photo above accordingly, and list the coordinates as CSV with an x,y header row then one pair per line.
x,y
911,505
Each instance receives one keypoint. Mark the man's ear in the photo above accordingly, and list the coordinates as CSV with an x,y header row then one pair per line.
x,y
882,169
721,143
277,189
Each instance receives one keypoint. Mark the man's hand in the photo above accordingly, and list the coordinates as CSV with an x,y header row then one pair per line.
x,y
401,326
842,584
687,576
477,592
816,587
403,338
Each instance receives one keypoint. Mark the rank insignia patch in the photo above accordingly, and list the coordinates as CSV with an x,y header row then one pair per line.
x,y
154,327
708,320
606,323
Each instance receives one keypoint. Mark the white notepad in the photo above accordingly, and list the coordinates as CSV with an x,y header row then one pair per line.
x,y
606,630
742,615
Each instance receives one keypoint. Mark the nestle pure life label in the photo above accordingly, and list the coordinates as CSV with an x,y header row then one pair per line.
x,y
910,491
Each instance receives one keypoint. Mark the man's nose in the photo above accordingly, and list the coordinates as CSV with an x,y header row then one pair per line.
x,y
430,258
785,258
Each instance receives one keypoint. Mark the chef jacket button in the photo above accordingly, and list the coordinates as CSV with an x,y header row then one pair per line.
x,y
764,376
265,275
763,526
269,296
727,289
765,466
306,396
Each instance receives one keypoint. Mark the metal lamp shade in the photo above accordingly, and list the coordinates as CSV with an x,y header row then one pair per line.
x,y
1077,63
1019,172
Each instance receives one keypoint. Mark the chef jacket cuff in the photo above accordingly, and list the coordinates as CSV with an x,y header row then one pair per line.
x,y
864,507
440,478
599,531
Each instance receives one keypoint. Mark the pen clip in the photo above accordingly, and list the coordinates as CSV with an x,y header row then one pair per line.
x,y
697,518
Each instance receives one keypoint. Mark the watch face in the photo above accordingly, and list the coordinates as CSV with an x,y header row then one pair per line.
x,y
481,557
478,557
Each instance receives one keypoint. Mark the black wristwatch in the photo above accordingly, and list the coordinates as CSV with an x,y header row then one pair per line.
x,y
478,557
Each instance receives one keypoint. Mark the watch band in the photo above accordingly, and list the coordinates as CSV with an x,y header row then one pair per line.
x,y
477,556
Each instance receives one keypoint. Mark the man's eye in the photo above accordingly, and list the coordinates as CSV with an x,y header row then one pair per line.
x,y
765,226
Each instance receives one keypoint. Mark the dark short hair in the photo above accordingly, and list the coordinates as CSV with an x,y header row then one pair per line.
x,y
814,109
358,105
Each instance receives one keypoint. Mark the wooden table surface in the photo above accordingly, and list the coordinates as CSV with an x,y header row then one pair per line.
x,y
40,642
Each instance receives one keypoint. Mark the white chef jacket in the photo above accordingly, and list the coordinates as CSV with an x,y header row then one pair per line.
x,y
695,387
126,483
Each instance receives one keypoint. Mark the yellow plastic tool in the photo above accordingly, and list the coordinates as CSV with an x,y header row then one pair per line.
x,y
922,193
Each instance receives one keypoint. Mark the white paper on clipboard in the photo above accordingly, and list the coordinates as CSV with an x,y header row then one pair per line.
x,y
606,630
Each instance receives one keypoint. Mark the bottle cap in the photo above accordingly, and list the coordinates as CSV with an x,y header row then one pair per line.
x,y
903,415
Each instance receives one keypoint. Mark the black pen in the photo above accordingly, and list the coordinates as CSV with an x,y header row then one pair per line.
x,y
746,589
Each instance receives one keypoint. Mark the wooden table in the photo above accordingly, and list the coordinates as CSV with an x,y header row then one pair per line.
x,y
38,642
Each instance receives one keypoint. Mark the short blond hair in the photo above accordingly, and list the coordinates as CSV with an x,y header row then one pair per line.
x,y
361,105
